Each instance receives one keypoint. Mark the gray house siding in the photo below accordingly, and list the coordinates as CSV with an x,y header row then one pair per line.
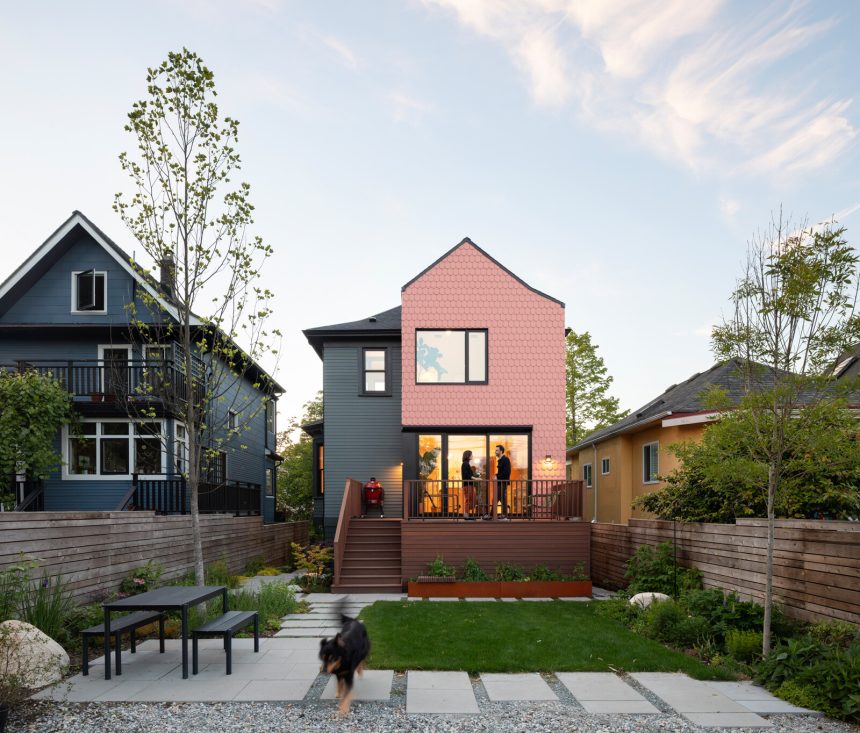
x,y
362,433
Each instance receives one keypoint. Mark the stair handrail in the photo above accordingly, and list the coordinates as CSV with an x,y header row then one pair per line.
x,y
350,506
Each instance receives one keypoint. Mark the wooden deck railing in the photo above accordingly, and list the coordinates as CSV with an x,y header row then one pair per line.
x,y
524,499
350,506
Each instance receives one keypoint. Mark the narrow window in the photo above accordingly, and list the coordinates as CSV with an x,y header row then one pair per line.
x,y
181,448
586,475
604,466
375,363
233,420
270,482
270,416
650,462
321,469
88,291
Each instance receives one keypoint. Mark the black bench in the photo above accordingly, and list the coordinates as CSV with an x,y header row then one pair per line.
x,y
132,622
225,626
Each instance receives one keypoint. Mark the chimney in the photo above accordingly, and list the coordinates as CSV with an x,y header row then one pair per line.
x,y
168,275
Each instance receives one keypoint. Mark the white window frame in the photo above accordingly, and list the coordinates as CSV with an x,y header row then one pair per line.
x,y
74,302
646,479
112,347
605,463
589,482
177,442
232,420
66,436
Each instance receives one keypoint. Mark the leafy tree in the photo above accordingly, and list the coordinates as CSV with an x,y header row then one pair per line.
x,y
589,404
32,409
193,222
295,476
794,313
726,474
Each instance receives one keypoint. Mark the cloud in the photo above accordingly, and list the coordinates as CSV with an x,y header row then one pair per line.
x,y
691,81
408,108
343,51
729,207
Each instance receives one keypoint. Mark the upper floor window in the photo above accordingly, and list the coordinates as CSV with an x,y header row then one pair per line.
x,y
650,462
455,356
270,416
374,369
89,292
232,420
604,466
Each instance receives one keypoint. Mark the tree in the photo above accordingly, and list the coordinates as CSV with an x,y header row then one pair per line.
x,y
589,405
33,408
725,476
295,475
794,313
193,223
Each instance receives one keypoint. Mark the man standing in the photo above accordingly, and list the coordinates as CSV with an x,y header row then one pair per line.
x,y
503,477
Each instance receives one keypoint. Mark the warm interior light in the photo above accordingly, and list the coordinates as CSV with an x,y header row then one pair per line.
x,y
548,460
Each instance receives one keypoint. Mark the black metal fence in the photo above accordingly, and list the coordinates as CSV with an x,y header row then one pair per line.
x,y
173,496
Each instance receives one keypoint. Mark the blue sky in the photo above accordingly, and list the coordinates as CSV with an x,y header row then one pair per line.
x,y
617,155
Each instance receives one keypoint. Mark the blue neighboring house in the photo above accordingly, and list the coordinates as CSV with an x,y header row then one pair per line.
x,y
64,312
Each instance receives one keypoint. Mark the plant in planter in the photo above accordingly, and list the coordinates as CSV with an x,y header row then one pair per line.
x,y
438,572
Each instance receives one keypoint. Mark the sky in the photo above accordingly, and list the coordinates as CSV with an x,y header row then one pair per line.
x,y
615,154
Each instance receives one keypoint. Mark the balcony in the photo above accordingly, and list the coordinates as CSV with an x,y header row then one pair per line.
x,y
122,382
172,496
480,500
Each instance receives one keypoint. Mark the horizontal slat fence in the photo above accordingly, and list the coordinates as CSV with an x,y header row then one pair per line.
x,y
558,545
816,573
94,551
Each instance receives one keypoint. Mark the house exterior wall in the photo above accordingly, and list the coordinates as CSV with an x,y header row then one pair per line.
x,y
362,433
625,482
525,343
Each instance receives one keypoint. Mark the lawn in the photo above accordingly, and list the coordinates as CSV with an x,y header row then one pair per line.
x,y
551,636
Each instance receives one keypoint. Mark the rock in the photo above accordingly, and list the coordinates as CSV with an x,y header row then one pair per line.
x,y
32,656
646,599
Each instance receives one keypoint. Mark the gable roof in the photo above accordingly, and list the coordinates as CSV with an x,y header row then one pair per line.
x,y
688,398
32,267
498,264
385,324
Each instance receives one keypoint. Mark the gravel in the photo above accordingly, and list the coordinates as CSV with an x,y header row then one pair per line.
x,y
42,717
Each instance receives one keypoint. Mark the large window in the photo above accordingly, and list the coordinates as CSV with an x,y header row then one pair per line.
x,y
451,357
374,371
650,462
89,291
115,449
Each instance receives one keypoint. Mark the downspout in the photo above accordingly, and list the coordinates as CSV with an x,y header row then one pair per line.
x,y
594,475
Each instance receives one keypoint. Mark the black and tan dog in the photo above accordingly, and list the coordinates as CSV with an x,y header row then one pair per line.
x,y
344,655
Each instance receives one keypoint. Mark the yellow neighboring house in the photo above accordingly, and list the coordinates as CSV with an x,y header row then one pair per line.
x,y
623,461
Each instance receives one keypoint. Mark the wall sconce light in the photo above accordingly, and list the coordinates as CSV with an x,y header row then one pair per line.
x,y
547,461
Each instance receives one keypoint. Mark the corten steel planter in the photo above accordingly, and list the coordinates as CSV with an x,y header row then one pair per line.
x,y
444,588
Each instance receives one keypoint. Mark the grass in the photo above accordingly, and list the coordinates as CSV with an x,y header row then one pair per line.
x,y
523,636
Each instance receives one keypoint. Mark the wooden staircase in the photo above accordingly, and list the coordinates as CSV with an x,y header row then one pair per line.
x,y
371,558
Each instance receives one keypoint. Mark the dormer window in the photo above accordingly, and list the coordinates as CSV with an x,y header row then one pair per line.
x,y
89,291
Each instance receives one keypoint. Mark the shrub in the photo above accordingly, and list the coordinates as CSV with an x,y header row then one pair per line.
x,y
142,579
745,646
577,572
472,571
692,631
507,572
655,570
621,610
254,565
46,604
835,633
268,572
14,583
787,661
661,619
274,600
218,573
836,682
723,611
542,572
438,568
316,561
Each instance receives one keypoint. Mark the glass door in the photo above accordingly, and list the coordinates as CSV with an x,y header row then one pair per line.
x,y
115,370
467,475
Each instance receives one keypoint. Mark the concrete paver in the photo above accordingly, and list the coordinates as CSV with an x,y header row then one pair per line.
x,y
728,720
212,689
529,686
374,684
274,691
446,693
758,699
604,692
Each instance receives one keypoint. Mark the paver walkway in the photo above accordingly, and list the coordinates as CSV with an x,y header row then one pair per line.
x,y
287,669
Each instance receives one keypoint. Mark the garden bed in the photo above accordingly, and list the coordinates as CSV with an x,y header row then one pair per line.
x,y
449,588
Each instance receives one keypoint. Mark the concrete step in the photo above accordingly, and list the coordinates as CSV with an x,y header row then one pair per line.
x,y
367,588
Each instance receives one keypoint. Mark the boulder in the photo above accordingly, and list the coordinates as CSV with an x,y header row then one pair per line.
x,y
30,655
643,600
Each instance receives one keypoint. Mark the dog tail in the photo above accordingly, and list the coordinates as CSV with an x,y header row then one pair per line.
x,y
341,610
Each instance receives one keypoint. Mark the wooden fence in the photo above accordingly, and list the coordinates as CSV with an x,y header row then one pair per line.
x,y
816,563
93,551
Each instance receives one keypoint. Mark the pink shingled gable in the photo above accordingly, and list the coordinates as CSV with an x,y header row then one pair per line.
x,y
526,353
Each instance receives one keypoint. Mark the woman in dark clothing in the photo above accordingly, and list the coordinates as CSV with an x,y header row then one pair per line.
x,y
467,475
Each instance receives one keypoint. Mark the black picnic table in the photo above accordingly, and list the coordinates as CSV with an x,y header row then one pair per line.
x,y
170,598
